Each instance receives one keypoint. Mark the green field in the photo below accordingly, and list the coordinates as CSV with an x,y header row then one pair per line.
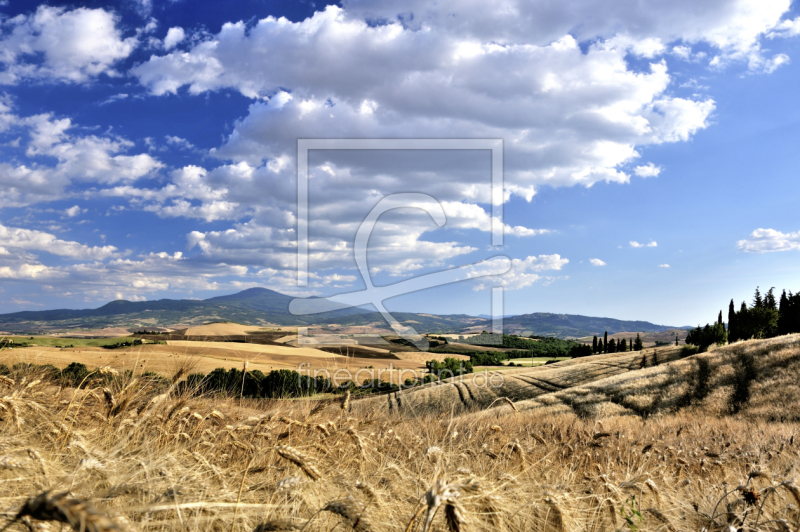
x,y
54,341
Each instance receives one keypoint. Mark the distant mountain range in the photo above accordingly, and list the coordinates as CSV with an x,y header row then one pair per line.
x,y
260,306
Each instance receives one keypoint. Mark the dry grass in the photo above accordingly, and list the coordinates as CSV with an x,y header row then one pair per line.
x,y
133,459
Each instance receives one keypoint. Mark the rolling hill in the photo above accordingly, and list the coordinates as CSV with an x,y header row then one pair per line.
x,y
260,306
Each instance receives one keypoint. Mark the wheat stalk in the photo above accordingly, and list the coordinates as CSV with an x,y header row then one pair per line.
x,y
300,460
79,514
352,511
277,525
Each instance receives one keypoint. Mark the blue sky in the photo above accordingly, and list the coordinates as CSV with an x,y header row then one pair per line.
x,y
148,150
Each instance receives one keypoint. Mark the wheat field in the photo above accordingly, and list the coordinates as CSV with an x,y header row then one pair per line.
x,y
121,454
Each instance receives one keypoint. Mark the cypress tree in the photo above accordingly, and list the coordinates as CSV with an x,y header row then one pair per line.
x,y
630,344
605,342
637,346
783,315
793,313
743,328
612,346
769,300
676,338
594,344
622,346
758,302
732,327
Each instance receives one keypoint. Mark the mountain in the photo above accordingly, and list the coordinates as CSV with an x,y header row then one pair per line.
x,y
260,306
574,326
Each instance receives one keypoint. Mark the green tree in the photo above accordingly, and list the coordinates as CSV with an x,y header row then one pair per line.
x,y
637,345
789,313
630,343
622,346
612,346
769,299
758,302
743,323
605,342
732,328
703,337
594,344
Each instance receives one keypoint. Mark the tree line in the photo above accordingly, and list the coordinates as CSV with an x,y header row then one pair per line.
x,y
604,345
765,317
526,347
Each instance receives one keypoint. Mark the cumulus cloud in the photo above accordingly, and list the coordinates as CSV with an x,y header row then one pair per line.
x,y
635,244
525,272
75,45
78,158
597,262
174,37
769,240
19,239
123,278
179,142
569,116
73,211
787,28
663,265
574,117
648,170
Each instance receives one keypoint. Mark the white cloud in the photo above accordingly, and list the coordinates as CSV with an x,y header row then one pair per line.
x,y
75,45
73,211
786,28
663,265
27,271
133,279
648,170
570,117
174,37
114,98
19,239
91,158
179,142
597,262
525,272
769,240
731,26
635,244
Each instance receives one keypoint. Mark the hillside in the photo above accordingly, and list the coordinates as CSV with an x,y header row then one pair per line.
x,y
260,307
755,379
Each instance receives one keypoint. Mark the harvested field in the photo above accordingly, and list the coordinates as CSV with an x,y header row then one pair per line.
x,y
163,359
251,348
360,352
223,329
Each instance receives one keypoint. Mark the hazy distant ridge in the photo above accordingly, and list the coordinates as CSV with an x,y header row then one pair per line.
x,y
260,306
